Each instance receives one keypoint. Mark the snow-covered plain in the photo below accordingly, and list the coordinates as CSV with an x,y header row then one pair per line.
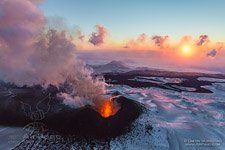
x,y
10,137
183,120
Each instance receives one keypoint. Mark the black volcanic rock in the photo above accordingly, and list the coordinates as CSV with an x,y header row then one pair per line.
x,y
36,105
86,122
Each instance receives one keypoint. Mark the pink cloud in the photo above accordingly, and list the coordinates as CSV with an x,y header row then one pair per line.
x,y
202,39
142,37
80,35
97,38
36,1
212,53
29,55
160,40
20,21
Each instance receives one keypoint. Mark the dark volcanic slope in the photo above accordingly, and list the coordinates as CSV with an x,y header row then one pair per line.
x,y
85,122
24,106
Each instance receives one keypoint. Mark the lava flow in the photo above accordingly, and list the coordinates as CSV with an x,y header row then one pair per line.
x,y
108,108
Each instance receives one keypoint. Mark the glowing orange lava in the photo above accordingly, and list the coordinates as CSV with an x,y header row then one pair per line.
x,y
108,108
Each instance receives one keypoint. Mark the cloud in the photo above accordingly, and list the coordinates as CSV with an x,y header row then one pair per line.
x,y
57,22
80,35
126,46
212,53
202,39
160,40
220,45
186,38
140,41
142,37
36,1
97,38
31,55
20,22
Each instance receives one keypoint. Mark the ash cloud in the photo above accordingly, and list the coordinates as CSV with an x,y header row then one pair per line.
x,y
160,40
17,33
97,38
202,39
30,55
212,53
57,22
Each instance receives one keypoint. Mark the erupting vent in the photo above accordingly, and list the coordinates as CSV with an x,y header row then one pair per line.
x,y
108,108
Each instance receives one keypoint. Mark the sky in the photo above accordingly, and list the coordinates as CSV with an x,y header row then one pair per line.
x,y
188,33
128,18
155,33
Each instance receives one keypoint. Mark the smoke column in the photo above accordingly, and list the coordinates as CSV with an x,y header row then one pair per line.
x,y
30,55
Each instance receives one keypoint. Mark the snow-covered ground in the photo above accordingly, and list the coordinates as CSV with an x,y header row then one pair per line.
x,y
211,79
183,120
10,137
158,79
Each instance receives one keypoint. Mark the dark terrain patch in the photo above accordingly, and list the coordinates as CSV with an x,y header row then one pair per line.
x,y
191,80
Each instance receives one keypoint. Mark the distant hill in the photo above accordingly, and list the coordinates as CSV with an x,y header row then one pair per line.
x,y
113,66
147,68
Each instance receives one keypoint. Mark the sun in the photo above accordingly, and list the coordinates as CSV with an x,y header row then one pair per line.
x,y
186,50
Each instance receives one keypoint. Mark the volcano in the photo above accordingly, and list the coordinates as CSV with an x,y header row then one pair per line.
x,y
88,123
21,106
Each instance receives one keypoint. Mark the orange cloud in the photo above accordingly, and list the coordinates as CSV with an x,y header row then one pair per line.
x,y
142,37
187,47
142,42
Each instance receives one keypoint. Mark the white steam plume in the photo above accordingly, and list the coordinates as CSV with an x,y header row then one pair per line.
x,y
29,55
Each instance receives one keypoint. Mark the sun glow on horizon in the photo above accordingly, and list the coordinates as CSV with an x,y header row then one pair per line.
x,y
187,51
